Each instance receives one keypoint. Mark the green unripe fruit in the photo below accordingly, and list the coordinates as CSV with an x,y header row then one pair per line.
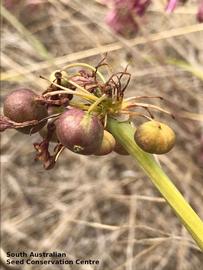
x,y
108,144
155,137
79,131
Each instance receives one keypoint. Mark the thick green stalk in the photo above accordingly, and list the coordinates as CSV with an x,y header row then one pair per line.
x,y
124,134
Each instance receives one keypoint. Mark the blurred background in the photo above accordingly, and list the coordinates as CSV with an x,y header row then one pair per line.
x,y
103,207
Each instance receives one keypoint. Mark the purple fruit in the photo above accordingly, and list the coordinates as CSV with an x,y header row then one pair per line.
x,y
20,106
79,131
119,149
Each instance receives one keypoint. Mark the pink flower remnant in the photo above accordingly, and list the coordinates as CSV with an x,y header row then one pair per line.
x,y
172,4
200,13
121,17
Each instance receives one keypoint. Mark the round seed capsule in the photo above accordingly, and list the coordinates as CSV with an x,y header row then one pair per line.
x,y
155,137
107,145
79,131
20,106
119,149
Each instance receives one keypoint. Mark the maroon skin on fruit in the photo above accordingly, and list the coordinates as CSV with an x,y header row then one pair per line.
x,y
119,149
20,106
79,131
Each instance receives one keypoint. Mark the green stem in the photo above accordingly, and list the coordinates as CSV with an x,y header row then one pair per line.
x,y
124,134
96,103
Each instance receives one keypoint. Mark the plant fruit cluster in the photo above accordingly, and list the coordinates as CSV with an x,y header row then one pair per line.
x,y
79,126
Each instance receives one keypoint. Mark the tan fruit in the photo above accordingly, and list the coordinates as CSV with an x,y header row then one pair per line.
x,y
108,144
155,137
